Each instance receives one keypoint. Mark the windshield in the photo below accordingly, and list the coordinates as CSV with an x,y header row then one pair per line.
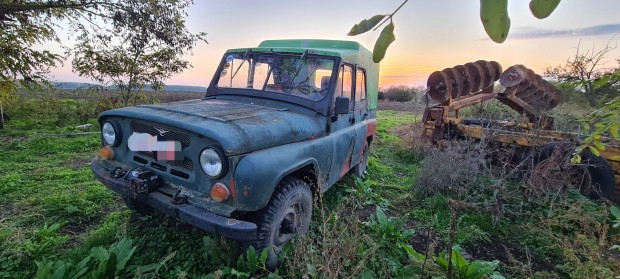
x,y
294,74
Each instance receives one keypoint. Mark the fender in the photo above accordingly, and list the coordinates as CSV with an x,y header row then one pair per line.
x,y
257,174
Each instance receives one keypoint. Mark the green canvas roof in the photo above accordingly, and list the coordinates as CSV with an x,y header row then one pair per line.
x,y
349,51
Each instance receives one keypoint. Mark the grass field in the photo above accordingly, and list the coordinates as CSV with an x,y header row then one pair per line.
x,y
57,220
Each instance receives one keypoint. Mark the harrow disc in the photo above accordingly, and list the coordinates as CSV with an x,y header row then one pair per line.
x,y
468,81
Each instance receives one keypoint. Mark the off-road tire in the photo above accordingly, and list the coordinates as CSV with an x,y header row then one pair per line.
x,y
291,201
360,169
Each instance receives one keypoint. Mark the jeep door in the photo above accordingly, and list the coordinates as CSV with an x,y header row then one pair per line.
x,y
360,114
343,136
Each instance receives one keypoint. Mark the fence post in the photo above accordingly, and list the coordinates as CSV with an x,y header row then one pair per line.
x,y
1,117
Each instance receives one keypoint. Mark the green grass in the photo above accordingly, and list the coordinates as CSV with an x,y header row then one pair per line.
x,y
44,181
53,209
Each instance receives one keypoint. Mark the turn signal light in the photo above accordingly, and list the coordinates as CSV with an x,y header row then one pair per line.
x,y
106,153
219,192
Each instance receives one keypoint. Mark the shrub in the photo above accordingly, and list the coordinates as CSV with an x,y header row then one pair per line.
x,y
491,109
331,249
381,95
456,171
400,93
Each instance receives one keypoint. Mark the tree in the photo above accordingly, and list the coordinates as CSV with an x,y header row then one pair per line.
x,y
26,23
587,71
144,45
22,25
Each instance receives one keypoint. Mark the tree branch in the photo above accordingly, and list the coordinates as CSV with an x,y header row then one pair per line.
x,y
6,8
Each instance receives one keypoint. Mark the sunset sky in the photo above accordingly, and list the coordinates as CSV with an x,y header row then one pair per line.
x,y
430,35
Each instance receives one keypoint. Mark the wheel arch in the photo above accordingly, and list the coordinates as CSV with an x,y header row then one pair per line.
x,y
257,176
308,174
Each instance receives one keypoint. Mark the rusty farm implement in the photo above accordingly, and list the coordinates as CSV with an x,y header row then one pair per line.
x,y
531,96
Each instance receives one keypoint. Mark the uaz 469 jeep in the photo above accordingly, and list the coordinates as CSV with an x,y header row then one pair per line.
x,y
279,123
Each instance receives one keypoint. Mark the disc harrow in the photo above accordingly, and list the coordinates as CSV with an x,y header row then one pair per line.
x,y
462,80
472,83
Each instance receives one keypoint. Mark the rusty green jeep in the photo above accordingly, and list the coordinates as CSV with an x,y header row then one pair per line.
x,y
280,123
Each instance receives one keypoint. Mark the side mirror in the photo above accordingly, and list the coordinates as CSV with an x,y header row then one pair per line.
x,y
342,105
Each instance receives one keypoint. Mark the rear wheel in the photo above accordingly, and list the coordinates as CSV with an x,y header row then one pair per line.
x,y
287,214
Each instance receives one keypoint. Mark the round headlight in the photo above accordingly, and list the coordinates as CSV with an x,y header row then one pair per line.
x,y
211,162
109,133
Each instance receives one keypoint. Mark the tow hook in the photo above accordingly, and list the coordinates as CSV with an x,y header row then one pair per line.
x,y
118,173
178,198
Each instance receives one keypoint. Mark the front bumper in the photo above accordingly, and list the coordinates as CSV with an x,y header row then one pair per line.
x,y
205,220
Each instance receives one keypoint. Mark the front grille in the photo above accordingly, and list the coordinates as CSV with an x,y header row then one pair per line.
x,y
180,169
161,133
147,154
186,164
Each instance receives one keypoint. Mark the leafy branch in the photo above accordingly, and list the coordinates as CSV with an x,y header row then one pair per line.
x,y
387,34
493,14
605,120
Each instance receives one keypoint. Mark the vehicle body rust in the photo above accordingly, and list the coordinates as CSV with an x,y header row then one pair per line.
x,y
269,113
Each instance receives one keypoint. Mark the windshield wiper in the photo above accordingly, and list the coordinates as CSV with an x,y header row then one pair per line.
x,y
269,70
244,57
301,64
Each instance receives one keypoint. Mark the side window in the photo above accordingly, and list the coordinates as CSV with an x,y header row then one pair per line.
x,y
360,85
345,81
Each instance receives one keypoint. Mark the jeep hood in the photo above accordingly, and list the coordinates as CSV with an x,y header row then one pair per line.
x,y
238,127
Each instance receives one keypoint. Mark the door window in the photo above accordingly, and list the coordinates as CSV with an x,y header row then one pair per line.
x,y
360,85
345,82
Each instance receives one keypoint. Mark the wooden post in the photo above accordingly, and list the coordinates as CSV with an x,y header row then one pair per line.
x,y
1,117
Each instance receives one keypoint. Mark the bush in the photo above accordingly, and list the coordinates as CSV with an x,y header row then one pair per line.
x,y
574,107
491,109
400,93
456,171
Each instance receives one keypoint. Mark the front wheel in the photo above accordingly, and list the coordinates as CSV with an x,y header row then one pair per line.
x,y
287,214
